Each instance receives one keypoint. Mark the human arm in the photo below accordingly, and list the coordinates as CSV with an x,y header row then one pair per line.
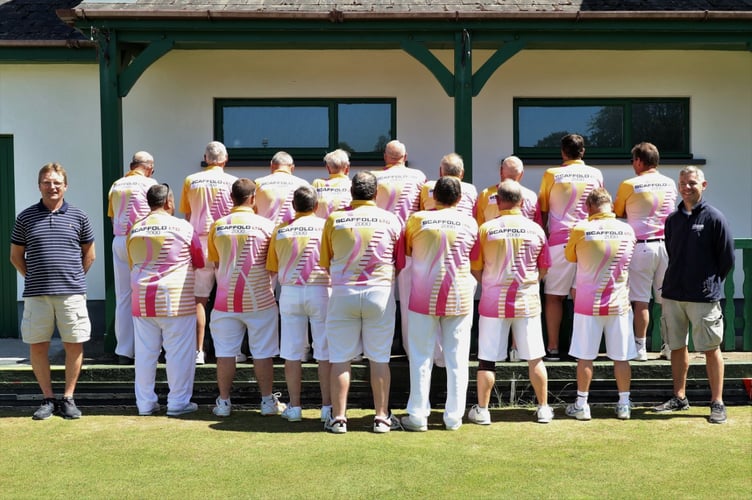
x,y
18,258
88,255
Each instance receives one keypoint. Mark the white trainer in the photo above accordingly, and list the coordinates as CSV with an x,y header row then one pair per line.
x,y
200,359
479,415
273,407
223,408
292,414
545,414
514,355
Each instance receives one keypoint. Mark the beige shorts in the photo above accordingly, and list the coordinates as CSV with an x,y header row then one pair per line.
x,y
646,270
706,319
560,277
41,314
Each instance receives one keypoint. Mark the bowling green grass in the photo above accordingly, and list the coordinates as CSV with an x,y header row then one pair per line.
x,y
114,454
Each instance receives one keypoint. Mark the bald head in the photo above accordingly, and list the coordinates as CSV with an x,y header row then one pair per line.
x,y
511,168
395,152
143,162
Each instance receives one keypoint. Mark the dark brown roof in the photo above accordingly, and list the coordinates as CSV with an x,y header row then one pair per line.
x,y
35,20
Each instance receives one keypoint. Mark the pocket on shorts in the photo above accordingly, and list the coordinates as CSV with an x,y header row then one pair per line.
x,y
712,325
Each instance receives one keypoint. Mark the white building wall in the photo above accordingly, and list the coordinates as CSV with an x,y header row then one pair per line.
x,y
52,111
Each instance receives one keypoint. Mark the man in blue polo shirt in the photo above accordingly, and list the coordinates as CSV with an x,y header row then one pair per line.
x,y
52,247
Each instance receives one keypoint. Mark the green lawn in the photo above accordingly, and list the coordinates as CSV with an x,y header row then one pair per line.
x,y
110,455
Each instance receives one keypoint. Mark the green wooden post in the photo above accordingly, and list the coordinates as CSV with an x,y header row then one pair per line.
x,y
111,114
729,313
745,245
463,100
9,276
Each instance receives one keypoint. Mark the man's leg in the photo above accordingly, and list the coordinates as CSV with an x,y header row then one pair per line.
x,y
293,377
123,317
679,369
486,378
623,375
39,355
641,321
381,378
455,335
264,371
584,374
554,310
74,358
180,359
324,371
200,322
715,368
539,378
225,376
340,386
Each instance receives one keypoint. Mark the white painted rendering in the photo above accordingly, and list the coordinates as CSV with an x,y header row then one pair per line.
x,y
169,112
52,111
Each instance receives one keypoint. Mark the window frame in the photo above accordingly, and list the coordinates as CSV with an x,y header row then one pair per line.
x,y
298,153
625,103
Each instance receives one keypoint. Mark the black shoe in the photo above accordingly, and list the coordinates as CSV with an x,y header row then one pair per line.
x,y
125,360
46,410
673,404
67,409
552,355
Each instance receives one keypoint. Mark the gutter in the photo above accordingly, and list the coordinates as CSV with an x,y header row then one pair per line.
x,y
69,16
67,44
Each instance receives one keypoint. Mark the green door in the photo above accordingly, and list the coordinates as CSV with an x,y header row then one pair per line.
x,y
8,275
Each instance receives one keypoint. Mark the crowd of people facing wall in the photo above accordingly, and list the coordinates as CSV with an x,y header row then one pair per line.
x,y
331,253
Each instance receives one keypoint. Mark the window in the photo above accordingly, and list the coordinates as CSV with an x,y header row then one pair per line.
x,y
610,126
255,129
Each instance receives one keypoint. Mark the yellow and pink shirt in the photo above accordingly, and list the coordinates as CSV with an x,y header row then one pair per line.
x,y
127,201
398,189
359,245
274,194
562,195
206,196
332,193
239,243
162,252
442,243
646,200
294,252
512,251
602,247
486,208
466,204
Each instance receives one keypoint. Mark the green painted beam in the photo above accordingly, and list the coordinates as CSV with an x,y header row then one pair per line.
x,y
8,274
52,55
141,63
493,63
463,100
111,113
432,63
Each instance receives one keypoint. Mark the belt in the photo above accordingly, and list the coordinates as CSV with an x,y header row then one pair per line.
x,y
652,240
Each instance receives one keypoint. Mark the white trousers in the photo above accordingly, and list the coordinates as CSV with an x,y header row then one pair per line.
x,y
178,336
455,339
123,311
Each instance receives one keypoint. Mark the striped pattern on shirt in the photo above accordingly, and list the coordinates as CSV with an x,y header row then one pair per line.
x,y
52,241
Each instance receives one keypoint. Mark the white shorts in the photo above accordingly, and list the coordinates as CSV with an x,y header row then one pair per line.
x,y
493,336
360,319
68,312
646,270
228,328
205,277
299,305
586,337
560,276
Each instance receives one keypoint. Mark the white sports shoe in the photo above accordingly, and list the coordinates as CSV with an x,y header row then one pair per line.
x,y
479,415
274,407
189,408
200,358
241,358
545,414
578,413
292,414
665,352
623,412
326,413
223,408
514,356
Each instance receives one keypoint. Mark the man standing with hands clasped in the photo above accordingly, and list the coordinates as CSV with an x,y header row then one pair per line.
x,y
52,247
700,256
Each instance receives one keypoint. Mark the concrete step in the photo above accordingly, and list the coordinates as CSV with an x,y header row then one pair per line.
x,y
105,384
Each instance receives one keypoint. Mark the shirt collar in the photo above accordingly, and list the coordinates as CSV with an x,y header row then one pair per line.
x,y
63,208
242,208
363,203
511,211
572,162
602,215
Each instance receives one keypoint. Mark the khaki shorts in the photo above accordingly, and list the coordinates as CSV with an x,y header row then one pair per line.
x,y
41,314
560,277
706,319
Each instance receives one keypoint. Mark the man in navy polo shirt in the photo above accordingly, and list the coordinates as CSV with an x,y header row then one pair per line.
x,y
52,247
